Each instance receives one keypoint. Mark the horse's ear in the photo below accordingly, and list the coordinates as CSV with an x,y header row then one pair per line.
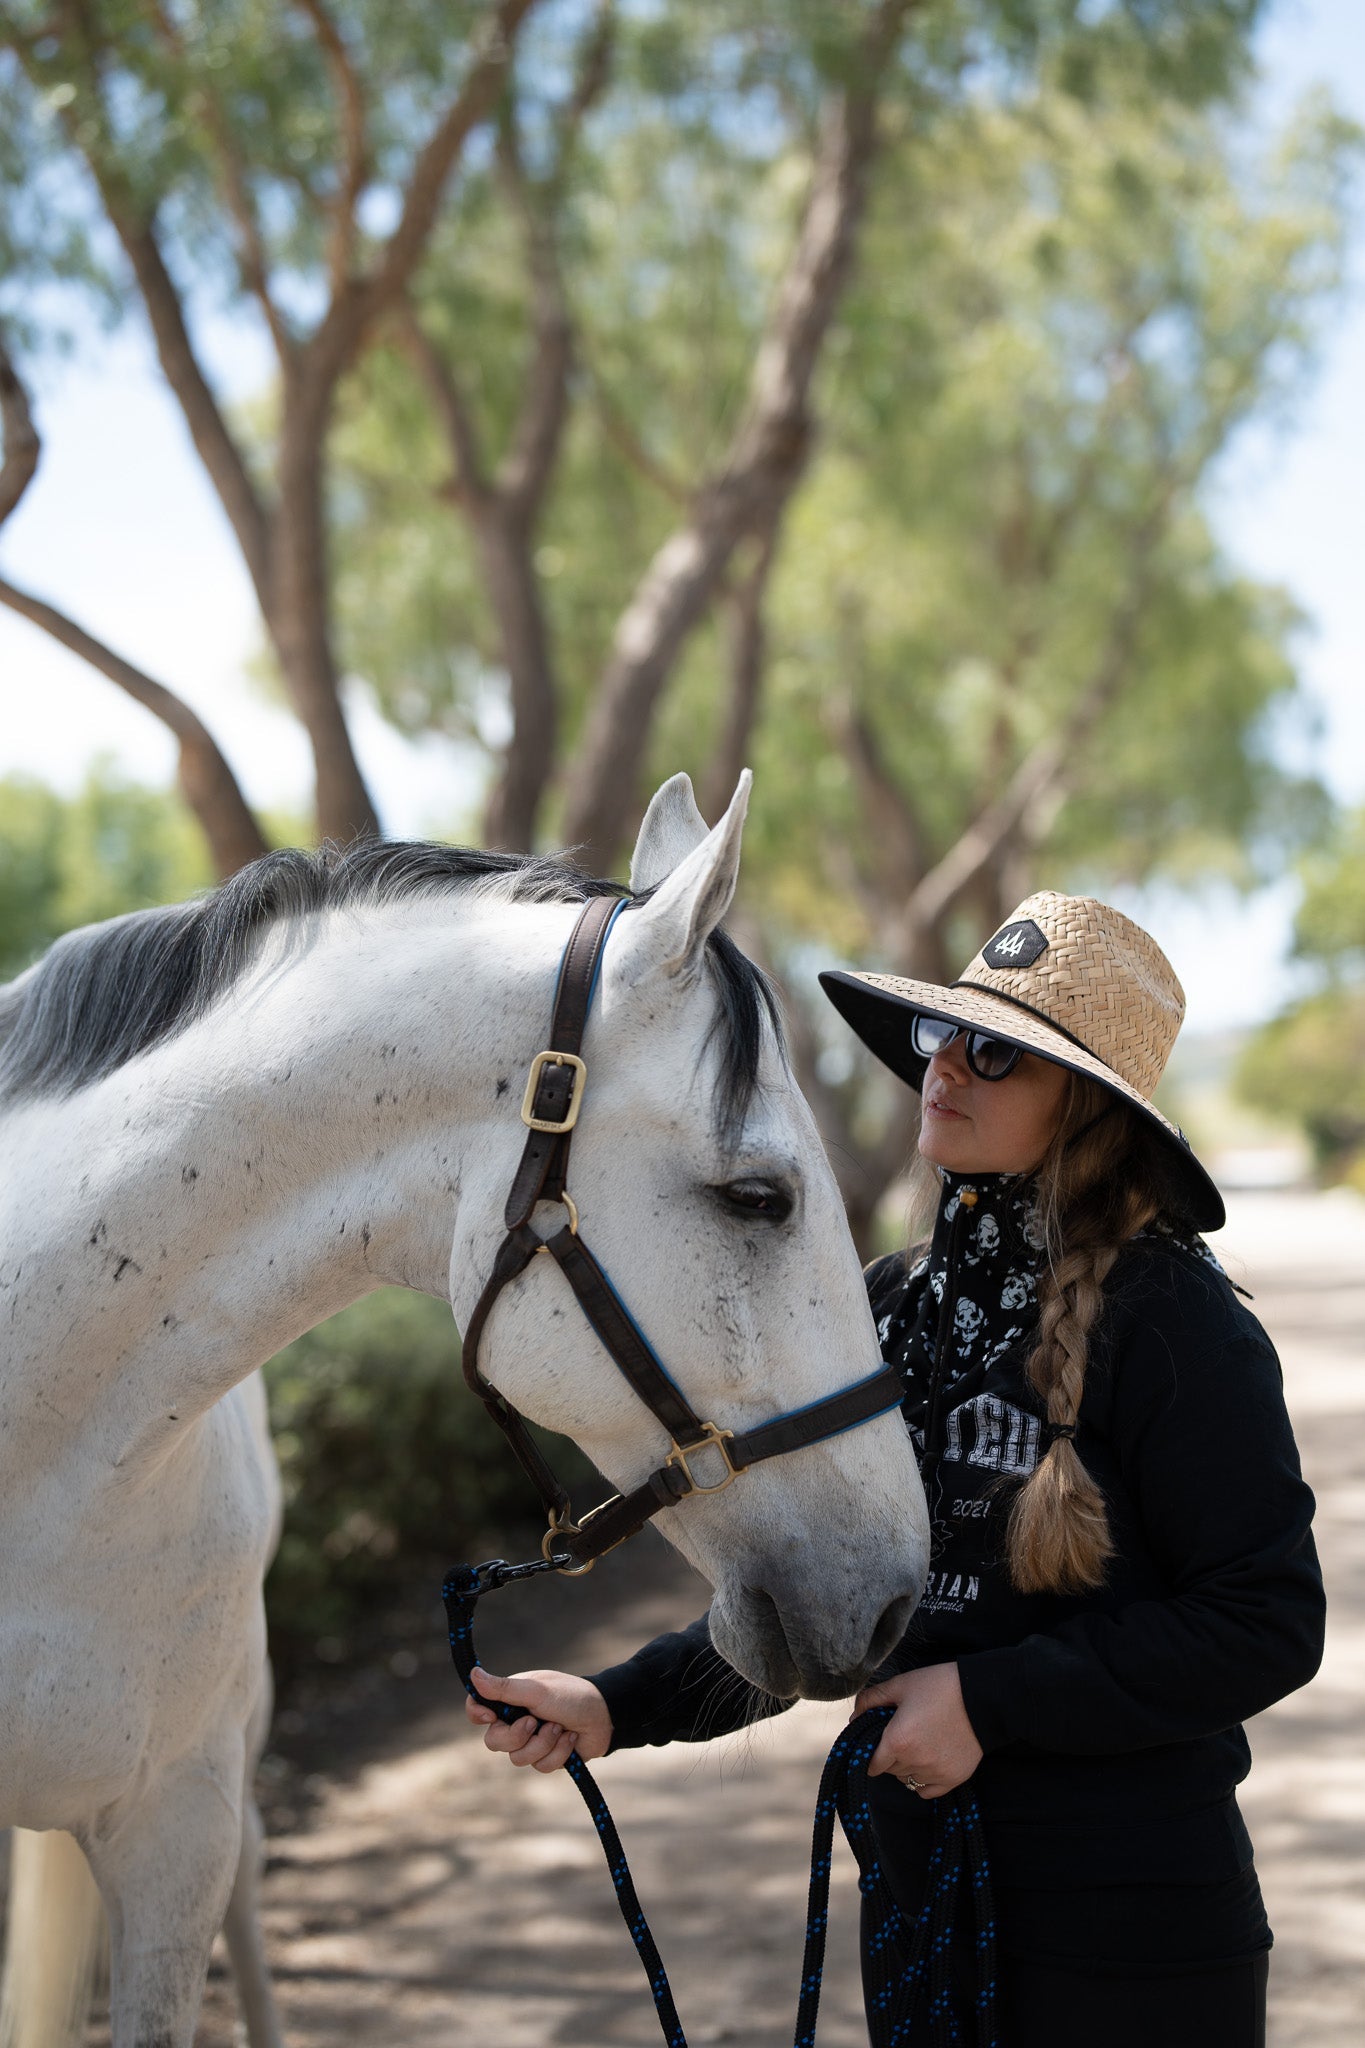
x,y
672,828
667,935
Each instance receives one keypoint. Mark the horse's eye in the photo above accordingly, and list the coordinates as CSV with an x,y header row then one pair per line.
x,y
757,1198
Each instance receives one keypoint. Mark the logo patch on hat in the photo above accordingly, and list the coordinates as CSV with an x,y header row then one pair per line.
x,y
1015,945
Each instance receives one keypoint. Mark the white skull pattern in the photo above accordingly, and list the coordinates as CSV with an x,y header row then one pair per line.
x,y
967,1320
1017,1291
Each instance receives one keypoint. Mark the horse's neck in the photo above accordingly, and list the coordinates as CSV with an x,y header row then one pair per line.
x,y
303,1143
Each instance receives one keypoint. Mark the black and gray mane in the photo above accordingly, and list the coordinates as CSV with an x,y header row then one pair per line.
x,y
101,996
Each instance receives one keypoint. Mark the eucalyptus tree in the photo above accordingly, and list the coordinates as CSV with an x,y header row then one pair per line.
x,y
991,640
289,164
1308,1064
1008,650
720,192
624,343
330,172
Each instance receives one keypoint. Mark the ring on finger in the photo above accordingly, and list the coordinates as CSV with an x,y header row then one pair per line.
x,y
913,1784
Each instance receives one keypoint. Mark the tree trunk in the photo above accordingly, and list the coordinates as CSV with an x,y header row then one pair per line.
x,y
674,596
299,619
748,657
528,762
765,459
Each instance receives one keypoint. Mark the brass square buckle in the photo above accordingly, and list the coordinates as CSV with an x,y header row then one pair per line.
x,y
550,1058
680,1454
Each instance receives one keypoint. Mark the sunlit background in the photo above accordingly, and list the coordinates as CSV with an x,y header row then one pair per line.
x,y
920,633
1080,467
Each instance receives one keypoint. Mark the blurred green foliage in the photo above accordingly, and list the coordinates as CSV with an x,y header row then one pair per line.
x,y
1329,930
1064,315
66,861
1309,1064
392,1470
1066,308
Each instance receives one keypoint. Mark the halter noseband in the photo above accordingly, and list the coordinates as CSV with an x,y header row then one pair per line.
x,y
550,1110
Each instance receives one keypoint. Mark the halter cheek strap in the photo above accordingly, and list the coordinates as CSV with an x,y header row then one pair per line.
x,y
550,1108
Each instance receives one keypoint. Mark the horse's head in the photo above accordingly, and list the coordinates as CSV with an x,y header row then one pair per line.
x,y
703,1189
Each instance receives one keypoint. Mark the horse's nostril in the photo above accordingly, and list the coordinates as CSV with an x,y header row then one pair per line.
x,y
892,1625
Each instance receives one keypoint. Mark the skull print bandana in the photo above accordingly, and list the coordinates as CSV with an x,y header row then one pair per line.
x,y
994,1288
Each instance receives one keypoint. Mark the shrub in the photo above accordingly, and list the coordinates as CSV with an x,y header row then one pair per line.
x,y
1309,1065
391,1468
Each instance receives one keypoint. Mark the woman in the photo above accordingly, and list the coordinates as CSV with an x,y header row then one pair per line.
x,y
1122,1567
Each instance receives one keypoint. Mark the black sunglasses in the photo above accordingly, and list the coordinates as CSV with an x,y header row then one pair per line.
x,y
990,1059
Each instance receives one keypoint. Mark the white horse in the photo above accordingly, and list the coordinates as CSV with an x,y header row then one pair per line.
x,y
223,1121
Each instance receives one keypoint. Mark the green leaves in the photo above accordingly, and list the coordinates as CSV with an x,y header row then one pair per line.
x,y
1309,1064
68,861
1330,928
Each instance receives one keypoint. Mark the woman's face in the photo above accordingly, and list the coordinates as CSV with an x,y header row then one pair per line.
x,y
975,1126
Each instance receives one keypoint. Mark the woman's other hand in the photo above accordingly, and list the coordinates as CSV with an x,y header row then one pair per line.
x,y
564,1715
929,1737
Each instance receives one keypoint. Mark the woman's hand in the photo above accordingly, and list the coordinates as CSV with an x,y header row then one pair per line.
x,y
565,1714
929,1737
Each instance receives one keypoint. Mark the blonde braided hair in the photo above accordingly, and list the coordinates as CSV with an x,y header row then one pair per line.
x,y
1097,1187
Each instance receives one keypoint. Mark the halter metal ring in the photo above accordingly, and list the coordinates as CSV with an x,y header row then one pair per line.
x,y
551,1058
713,1437
560,1527
566,1200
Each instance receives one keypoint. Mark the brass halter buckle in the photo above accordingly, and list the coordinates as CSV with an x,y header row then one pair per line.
x,y
680,1453
551,1058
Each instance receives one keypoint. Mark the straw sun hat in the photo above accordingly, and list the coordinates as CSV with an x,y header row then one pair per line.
x,y
1067,978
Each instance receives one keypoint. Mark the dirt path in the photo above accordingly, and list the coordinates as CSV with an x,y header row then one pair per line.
x,y
431,1896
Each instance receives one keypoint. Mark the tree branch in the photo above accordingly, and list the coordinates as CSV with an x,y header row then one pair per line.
x,y
1044,774
255,266
361,305
20,436
893,829
212,439
207,783
591,81
470,483
525,470
503,511
766,457
351,106
214,442
623,436
748,650
502,526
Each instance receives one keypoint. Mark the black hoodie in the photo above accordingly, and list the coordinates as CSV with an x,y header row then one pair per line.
x,y
1110,1721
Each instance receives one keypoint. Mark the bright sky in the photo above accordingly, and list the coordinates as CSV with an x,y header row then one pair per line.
x,y
121,529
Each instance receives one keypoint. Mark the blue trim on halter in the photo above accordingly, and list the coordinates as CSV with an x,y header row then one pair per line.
x,y
820,1399
624,904
616,1297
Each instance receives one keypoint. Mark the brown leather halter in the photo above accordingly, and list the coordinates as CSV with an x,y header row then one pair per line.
x,y
550,1110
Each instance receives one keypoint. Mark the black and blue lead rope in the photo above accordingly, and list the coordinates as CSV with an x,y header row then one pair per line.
x,y
910,1970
